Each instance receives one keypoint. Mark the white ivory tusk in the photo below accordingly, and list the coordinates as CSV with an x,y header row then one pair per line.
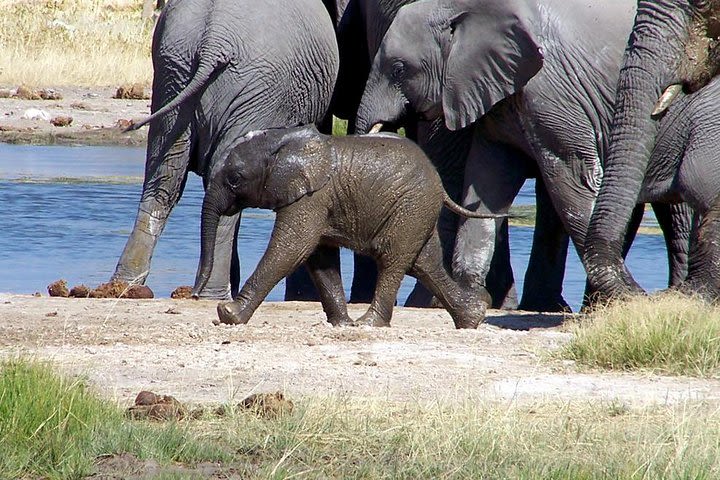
x,y
668,96
376,128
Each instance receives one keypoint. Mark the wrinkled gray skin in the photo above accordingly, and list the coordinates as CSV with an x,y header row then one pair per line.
x,y
361,26
223,68
378,195
536,90
663,157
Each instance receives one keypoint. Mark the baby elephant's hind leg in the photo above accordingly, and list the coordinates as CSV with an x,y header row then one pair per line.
x,y
465,306
324,268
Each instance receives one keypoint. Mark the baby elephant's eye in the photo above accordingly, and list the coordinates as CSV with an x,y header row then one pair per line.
x,y
234,178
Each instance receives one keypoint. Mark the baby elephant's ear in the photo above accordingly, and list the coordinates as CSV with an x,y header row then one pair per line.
x,y
299,168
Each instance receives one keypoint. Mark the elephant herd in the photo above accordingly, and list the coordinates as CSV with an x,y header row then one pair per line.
x,y
609,104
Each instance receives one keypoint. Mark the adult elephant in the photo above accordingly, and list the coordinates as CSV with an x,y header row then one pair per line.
x,y
673,48
537,91
223,68
361,26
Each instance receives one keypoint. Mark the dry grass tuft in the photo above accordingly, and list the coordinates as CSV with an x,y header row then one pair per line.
x,y
74,42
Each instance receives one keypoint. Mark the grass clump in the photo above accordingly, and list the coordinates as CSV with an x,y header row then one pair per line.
x,y
332,438
667,333
55,427
74,42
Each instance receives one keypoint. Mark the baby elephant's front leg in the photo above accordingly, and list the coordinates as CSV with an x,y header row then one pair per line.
x,y
291,243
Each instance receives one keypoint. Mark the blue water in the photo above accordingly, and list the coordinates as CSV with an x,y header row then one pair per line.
x,y
69,210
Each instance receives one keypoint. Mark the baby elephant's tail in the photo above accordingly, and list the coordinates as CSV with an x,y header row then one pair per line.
x,y
455,208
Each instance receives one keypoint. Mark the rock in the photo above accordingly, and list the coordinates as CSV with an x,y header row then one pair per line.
x,y
6,93
139,292
123,123
58,289
61,121
26,93
80,291
36,114
121,290
80,106
135,91
151,406
183,292
267,405
49,94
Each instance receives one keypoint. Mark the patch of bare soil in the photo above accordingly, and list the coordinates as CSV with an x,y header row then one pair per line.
x,y
171,346
72,115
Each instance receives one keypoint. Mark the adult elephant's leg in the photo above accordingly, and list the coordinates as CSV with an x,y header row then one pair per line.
x,y
448,151
493,177
225,275
704,267
166,172
324,267
542,289
591,294
676,221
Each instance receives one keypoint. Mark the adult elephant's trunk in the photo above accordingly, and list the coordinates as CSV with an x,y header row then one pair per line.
x,y
382,102
215,204
648,69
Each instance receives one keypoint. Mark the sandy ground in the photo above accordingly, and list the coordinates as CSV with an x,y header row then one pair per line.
x,y
171,347
96,118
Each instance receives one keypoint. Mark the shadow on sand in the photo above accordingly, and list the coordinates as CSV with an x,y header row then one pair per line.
x,y
528,321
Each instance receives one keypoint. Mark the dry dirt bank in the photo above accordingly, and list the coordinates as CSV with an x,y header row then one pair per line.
x,y
171,347
97,118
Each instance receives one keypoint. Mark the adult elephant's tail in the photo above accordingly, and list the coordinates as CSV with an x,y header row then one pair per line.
x,y
455,208
203,75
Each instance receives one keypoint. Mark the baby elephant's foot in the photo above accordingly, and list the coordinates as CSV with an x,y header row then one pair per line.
x,y
232,313
371,319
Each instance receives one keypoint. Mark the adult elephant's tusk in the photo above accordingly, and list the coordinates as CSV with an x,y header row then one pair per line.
x,y
376,128
668,96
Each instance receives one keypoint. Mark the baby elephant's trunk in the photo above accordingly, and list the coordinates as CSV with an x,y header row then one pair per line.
x,y
455,208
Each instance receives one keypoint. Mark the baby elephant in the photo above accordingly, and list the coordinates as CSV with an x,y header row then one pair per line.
x,y
376,194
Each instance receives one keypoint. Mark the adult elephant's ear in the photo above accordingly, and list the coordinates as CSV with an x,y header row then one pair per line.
x,y
301,167
493,53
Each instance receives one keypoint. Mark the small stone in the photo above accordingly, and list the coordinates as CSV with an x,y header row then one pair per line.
x,y
58,288
80,106
134,91
51,314
26,93
268,405
182,292
80,291
123,123
61,121
49,94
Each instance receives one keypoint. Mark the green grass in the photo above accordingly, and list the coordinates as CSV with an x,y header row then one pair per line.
x,y
668,333
53,427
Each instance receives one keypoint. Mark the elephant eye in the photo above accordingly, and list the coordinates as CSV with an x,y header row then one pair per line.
x,y
234,178
398,70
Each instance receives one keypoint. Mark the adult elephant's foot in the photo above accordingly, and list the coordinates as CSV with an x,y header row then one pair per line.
x,y
340,321
209,293
371,319
545,304
233,313
470,314
707,291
